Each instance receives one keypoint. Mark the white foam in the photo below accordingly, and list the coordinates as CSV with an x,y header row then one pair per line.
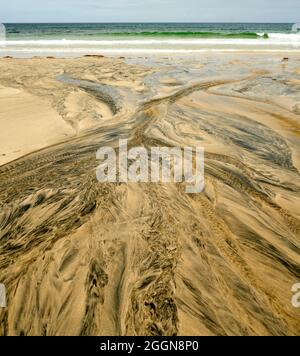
x,y
285,37
273,37
275,42
141,50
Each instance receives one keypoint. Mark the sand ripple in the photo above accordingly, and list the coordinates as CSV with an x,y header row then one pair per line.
x,y
83,258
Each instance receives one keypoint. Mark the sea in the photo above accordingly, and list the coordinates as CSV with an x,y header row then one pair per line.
x,y
77,39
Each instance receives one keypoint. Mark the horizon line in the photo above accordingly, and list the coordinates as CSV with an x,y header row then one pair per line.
x,y
148,22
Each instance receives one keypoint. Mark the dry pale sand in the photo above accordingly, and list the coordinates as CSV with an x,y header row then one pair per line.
x,y
83,258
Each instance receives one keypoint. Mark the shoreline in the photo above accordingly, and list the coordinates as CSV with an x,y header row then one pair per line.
x,y
286,54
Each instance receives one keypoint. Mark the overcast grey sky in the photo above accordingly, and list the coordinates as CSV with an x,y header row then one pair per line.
x,y
149,10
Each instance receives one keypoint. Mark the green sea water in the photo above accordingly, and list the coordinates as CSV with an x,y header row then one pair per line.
x,y
102,30
123,38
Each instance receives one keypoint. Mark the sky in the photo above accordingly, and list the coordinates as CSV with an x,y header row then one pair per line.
x,y
149,11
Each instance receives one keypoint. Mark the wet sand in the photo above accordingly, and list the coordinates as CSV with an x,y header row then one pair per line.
x,y
80,257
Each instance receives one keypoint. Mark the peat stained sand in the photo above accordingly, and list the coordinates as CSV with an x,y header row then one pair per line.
x,y
83,258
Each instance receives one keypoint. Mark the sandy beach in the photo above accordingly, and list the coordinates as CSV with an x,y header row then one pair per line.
x,y
79,257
